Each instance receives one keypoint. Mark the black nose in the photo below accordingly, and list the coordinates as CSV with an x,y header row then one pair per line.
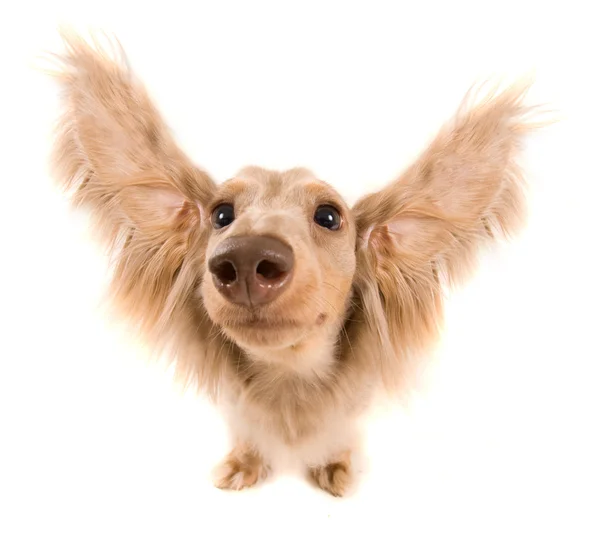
x,y
252,270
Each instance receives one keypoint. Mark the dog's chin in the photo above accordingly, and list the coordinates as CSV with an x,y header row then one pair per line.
x,y
264,334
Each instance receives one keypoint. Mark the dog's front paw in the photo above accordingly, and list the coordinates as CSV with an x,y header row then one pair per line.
x,y
242,468
335,477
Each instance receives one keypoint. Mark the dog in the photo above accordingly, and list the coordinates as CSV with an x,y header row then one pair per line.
x,y
290,308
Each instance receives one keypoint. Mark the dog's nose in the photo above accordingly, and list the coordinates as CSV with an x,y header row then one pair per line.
x,y
252,270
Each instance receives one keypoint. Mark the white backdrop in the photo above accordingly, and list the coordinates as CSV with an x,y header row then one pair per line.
x,y
502,436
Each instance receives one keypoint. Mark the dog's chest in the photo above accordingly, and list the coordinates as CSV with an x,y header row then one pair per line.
x,y
287,427
290,408
293,410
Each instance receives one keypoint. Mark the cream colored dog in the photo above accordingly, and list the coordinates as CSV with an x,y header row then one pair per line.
x,y
269,292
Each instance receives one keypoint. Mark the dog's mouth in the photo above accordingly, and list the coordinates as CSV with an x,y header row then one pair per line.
x,y
261,331
275,323
263,324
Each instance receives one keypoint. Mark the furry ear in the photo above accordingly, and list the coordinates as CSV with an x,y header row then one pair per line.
x,y
425,228
116,156
111,137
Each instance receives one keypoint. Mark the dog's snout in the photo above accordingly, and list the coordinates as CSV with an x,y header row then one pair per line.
x,y
252,270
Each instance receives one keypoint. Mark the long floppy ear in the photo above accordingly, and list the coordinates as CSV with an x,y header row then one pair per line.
x,y
424,230
116,156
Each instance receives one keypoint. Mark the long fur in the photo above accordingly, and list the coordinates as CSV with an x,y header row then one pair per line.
x,y
423,231
139,197
401,247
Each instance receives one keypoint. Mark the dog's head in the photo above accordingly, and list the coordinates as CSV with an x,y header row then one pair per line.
x,y
272,260
280,260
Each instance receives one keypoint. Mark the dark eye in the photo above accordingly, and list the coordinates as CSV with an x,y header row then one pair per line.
x,y
223,215
328,217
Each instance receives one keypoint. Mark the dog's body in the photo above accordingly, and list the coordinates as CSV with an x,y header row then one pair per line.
x,y
268,291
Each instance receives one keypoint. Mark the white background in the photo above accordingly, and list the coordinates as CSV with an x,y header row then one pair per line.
x,y
501,438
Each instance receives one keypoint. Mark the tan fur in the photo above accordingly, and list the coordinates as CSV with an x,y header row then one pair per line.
x,y
293,376
334,477
242,468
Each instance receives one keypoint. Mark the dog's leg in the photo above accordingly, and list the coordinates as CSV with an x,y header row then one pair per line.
x,y
334,477
242,468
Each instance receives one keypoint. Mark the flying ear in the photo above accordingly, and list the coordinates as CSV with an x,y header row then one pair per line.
x,y
116,156
426,228
112,139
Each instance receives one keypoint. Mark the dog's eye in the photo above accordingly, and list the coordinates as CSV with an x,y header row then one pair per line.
x,y
223,215
328,217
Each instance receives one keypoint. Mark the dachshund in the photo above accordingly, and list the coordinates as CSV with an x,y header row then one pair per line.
x,y
268,292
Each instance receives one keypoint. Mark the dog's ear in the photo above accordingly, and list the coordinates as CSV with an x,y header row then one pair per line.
x,y
113,142
116,156
424,229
